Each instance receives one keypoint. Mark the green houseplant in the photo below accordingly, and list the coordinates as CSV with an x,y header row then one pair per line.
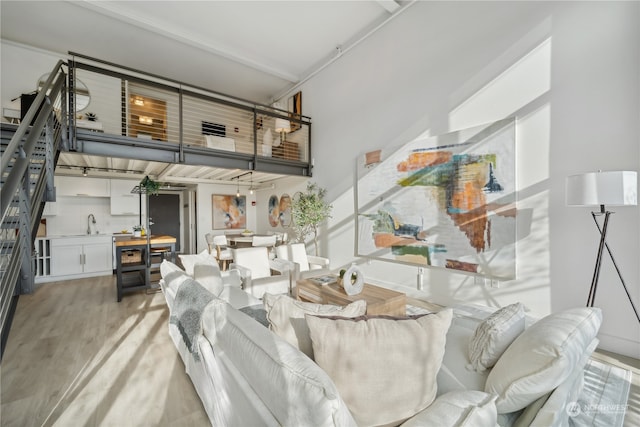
x,y
309,210
150,186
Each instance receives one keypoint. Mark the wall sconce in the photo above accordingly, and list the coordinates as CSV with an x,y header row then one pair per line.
x,y
283,127
145,120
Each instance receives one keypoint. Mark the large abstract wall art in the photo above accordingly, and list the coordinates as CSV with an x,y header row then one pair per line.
x,y
445,201
229,211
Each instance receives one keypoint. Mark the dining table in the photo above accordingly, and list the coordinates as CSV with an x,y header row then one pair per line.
x,y
243,240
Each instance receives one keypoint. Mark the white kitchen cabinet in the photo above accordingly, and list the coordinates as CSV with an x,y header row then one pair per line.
x,y
81,256
82,186
123,202
50,209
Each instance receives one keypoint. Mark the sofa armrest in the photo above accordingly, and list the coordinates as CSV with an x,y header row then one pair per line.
x,y
282,266
245,275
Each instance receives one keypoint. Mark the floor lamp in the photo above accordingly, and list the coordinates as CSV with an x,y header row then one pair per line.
x,y
614,188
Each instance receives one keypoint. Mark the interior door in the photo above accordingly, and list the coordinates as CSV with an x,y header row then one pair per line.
x,y
164,211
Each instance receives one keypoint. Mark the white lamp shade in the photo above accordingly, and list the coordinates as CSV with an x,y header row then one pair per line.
x,y
283,125
613,188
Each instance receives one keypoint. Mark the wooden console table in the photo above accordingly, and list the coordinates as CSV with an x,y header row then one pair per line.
x,y
136,275
379,300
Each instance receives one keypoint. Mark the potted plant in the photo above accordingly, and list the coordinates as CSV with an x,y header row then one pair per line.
x,y
308,211
137,231
150,186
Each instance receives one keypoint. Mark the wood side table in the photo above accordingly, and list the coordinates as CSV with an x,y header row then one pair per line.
x,y
379,300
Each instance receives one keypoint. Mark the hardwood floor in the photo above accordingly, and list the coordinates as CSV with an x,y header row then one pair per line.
x,y
76,357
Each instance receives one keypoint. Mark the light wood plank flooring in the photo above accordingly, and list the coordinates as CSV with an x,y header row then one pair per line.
x,y
76,357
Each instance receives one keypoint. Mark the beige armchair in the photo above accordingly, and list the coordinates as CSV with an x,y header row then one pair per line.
x,y
303,265
255,269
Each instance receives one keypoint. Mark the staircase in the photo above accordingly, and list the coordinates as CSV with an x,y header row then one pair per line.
x,y
29,155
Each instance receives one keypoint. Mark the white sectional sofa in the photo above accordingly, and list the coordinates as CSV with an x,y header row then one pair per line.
x,y
249,375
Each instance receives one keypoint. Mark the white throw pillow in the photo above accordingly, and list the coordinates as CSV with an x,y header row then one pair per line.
x,y
384,367
286,317
465,408
209,277
492,337
542,357
167,267
204,257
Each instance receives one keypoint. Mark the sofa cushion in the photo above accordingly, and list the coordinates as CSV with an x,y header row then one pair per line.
x,y
542,357
469,408
286,317
208,275
306,395
190,260
384,367
492,337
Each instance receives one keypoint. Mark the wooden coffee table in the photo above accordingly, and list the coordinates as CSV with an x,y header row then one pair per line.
x,y
379,300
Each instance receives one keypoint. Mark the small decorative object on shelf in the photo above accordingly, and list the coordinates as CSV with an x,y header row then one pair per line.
x,y
137,231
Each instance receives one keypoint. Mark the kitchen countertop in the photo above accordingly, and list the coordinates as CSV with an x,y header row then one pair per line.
x,y
133,241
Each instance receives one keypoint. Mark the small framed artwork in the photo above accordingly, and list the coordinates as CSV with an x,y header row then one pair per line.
x,y
229,211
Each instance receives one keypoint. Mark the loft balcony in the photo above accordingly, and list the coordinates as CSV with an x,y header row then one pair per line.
x,y
124,113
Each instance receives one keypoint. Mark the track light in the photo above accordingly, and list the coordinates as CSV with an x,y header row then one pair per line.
x,y
84,172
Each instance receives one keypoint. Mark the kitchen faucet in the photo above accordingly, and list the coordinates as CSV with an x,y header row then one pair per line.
x,y
90,219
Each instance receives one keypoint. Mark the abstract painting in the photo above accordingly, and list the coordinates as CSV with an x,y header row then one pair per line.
x,y
229,212
274,211
445,201
285,210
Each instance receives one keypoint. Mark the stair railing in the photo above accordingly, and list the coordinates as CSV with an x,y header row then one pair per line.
x,y
26,169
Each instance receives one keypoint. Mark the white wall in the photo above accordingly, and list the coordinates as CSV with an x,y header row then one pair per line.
x,y
568,71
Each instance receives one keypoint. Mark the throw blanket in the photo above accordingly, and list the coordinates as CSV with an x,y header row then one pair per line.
x,y
191,299
257,313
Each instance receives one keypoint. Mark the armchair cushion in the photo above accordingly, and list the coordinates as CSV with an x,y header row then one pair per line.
x,y
255,259
286,317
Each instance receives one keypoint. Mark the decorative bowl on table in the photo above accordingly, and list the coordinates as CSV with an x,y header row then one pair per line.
x,y
247,233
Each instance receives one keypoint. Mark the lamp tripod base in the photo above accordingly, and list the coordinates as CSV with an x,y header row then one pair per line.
x,y
602,246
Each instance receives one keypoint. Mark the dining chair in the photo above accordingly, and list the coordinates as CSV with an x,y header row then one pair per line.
x,y
223,253
256,268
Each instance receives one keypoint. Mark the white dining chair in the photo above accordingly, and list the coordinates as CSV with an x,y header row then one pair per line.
x,y
223,253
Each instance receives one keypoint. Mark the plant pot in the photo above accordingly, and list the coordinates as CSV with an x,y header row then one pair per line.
x,y
137,233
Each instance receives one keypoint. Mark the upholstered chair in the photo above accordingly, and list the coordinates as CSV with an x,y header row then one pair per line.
x,y
303,265
255,268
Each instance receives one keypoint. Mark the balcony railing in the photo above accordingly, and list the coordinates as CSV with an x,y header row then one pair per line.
x,y
147,110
